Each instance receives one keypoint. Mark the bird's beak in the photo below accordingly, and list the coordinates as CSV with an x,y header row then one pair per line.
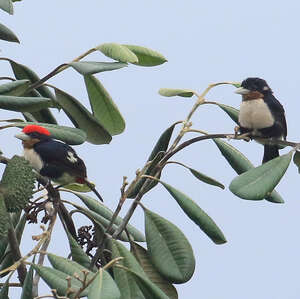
x,y
22,136
242,91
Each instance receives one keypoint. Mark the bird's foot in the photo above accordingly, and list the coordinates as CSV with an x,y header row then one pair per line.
x,y
245,136
236,131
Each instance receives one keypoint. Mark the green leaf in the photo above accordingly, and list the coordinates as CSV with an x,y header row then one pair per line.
x,y
118,52
102,221
24,72
274,197
149,289
103,286
258,182
93,67
202,177
69,267
56,279
234,157
15,217
77,253
82,118
7,34
241,164
103,107
171,92
232,112
149,170
195,213
4,290
24,104
8,260
7,6
296,160
14,88
127,285
146,56
156,155
68,135
143,258
27,286
162,143
102,210
169,249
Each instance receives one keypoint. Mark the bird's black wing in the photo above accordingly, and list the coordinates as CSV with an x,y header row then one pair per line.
x,y
279,114
61,156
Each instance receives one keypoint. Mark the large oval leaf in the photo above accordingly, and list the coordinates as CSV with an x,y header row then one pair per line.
x,y
162,143
241,164
233,113
58,280
156,155
149,289
256,183
118,52
127,285
103,106
143,258
234,157
14,88
77,253
7,34
27,286
24,72
93,67
8,259
146,56
169,249
24,104
102,210
69,267
82,118
7,6
195,213
72,136
103,286
172,92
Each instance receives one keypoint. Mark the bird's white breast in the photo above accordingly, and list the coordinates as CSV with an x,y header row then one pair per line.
x,y
33,158
255,114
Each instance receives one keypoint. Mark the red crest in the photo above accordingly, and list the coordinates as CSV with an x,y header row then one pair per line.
x,y
35,128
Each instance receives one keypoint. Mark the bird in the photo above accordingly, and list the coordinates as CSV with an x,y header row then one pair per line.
x,y
261,114
53,159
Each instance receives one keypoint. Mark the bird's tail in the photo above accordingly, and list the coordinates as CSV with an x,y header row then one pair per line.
x,y
92,187
270,152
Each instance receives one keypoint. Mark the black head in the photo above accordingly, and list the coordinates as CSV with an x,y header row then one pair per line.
x,y
256,84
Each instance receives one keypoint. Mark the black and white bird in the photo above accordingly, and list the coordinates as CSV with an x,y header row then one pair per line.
x,y
53,159
261,114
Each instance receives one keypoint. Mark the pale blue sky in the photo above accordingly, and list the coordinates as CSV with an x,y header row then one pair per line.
x,y
204,42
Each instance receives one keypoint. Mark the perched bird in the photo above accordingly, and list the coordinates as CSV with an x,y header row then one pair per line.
x,y
53,159
261,114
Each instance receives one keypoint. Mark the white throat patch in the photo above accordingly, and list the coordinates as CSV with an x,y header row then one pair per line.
x,y
255,114
33,158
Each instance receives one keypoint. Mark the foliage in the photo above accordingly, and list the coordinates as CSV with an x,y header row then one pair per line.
x,y
100,266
